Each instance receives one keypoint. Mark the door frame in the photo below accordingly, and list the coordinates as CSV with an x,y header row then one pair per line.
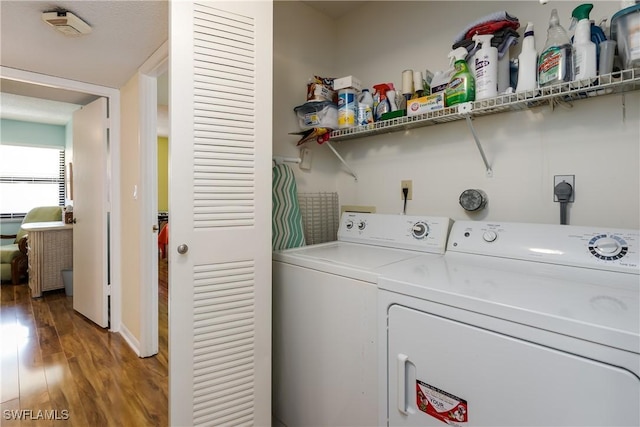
x,y
148,75
113,195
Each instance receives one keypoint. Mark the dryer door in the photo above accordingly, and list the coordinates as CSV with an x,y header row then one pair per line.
x,y
442,371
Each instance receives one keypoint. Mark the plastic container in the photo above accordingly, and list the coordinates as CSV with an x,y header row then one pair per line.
x,y
317,114
625,29
527,62
347,108
462,86
365,115
585,62
607,53
486,67
440,81
555,64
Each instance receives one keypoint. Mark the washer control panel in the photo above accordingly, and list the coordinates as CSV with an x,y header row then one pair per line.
x,y
604,249
420,233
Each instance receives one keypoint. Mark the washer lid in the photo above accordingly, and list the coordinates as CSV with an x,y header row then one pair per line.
x,y
350,259
592,305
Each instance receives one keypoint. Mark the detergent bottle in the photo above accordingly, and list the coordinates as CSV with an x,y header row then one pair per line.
x,y
461,87
584,50
555,64
486,67
527,61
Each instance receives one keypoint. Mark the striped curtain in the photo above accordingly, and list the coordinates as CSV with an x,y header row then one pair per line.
x,y
287,229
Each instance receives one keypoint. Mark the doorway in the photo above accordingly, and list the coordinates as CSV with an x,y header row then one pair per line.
x,y
54,88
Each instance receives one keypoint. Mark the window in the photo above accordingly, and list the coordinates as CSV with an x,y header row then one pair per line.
x,y
30,177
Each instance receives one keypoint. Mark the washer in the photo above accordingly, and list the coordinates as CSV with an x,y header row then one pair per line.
x,y
325,358
518,324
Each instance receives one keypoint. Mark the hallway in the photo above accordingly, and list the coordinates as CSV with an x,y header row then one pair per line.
x,y
55,364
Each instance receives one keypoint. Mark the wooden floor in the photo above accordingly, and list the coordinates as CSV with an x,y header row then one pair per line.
x,y
55,364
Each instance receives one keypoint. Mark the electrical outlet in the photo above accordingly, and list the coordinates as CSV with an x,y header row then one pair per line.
x,y
406,184
570,179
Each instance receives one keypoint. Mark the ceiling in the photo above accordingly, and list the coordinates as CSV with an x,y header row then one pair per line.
x,y
124,35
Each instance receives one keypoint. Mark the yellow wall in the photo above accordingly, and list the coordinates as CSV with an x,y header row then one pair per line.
x,y
163,174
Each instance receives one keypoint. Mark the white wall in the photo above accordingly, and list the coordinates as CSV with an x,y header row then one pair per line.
x,y
597,140
304,46
131,206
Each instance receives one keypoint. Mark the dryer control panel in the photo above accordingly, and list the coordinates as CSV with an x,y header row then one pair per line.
x,y
413,232
591,247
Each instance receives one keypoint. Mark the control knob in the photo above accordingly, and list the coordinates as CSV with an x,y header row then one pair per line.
x,y
420,230
362,225
608,248
490,236
349,224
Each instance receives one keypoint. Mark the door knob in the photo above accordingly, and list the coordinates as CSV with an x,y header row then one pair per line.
x,y
155,227
183,249
74,220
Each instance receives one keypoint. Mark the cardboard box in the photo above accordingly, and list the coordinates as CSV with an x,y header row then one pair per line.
x,y
320,92
425,104
347,82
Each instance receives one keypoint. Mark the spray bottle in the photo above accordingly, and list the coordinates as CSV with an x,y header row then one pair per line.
x,y
391,97
380,101
486,67
555,64
584,50
462,86
527,61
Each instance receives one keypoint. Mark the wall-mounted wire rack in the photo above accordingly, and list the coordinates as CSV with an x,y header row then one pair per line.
x,y
607,84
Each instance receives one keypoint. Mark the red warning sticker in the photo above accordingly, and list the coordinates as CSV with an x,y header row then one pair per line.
x,y
441,405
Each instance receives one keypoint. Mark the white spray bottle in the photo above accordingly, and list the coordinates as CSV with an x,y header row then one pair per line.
x,y
528,62
584,50
486,67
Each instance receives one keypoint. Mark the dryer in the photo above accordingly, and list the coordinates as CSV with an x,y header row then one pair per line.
x,y
325,359
518,324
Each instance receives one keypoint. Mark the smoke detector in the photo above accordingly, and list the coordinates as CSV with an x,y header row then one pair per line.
x,y
66,22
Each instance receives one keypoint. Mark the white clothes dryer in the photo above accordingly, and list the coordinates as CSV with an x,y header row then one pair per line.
x,y
517,325
325,358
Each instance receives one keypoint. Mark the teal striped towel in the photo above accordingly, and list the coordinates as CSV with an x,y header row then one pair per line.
x,y
287,229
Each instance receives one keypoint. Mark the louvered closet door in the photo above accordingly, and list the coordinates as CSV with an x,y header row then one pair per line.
x,y
220,207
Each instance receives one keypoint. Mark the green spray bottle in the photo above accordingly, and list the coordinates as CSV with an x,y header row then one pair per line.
x,y
462,86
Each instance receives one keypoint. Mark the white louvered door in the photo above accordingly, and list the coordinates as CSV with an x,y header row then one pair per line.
x,y
220,207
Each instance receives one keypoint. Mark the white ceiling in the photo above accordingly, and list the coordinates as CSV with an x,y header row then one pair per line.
x,y
125,34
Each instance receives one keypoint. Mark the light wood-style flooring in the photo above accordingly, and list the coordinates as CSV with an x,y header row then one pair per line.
x,y
58,368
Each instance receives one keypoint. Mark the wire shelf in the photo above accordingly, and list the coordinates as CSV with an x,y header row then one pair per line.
x,y
618,82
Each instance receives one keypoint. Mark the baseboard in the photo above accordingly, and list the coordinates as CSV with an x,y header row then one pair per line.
x,y
130,339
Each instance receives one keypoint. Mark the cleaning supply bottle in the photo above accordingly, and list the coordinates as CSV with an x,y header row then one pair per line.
x,y
486,67
380,101
584,50
555,64
527,61
440,81
391,96
462,86
366,98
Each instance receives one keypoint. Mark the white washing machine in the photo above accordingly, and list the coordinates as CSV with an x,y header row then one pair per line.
x,y
325,360
517,325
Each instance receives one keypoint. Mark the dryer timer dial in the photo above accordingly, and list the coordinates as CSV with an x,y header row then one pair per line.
x,y
420,230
